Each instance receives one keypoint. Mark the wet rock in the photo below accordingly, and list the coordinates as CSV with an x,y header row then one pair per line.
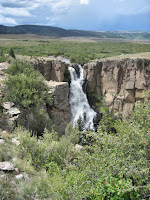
x,y
76,67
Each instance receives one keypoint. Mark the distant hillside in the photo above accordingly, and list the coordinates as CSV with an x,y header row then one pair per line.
x,y
60,32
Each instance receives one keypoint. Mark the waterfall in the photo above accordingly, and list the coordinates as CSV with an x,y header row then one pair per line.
x,y
80,107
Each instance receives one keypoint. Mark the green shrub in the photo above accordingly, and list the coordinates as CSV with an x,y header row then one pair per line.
x,y
48,150
12,54
26,88
6,190
112,167
3,58
146,62
19,67
67,76
139,62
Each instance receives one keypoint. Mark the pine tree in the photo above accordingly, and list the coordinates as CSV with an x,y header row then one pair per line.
x,y
11,53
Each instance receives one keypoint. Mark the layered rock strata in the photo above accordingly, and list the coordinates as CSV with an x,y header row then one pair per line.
x,y
121,81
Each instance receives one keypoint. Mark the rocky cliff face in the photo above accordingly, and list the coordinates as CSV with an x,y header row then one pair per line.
x,y
121,81
54,72
59,110
51,69
57,113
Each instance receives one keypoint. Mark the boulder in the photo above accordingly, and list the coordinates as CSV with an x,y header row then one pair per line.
x,y
4,66
60,93
8,105
13,112
78,148
2,141
6,166
19,177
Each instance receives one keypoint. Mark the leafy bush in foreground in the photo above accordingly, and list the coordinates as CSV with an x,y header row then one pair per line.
x,y
50,149
112,167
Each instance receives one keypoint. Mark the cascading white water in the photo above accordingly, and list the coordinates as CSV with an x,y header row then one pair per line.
x,y
80,107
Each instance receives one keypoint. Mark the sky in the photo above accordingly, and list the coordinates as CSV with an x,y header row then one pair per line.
x,y
96,15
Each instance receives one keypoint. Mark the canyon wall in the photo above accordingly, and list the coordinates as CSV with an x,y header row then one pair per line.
x,y
58,112
54,72
120,80
50,68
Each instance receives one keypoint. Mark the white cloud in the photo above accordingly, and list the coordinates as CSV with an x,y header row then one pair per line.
x,y
84,2
72,13
7,20
62,5
16,3
16,12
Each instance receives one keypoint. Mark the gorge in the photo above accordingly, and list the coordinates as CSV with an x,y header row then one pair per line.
x,y
121,82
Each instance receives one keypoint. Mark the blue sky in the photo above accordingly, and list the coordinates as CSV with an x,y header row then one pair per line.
x,y
98,15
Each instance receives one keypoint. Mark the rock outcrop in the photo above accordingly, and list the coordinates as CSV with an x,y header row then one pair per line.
x,y
51,69
59,111
55,113
6,166
54,72
3,68
120,80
